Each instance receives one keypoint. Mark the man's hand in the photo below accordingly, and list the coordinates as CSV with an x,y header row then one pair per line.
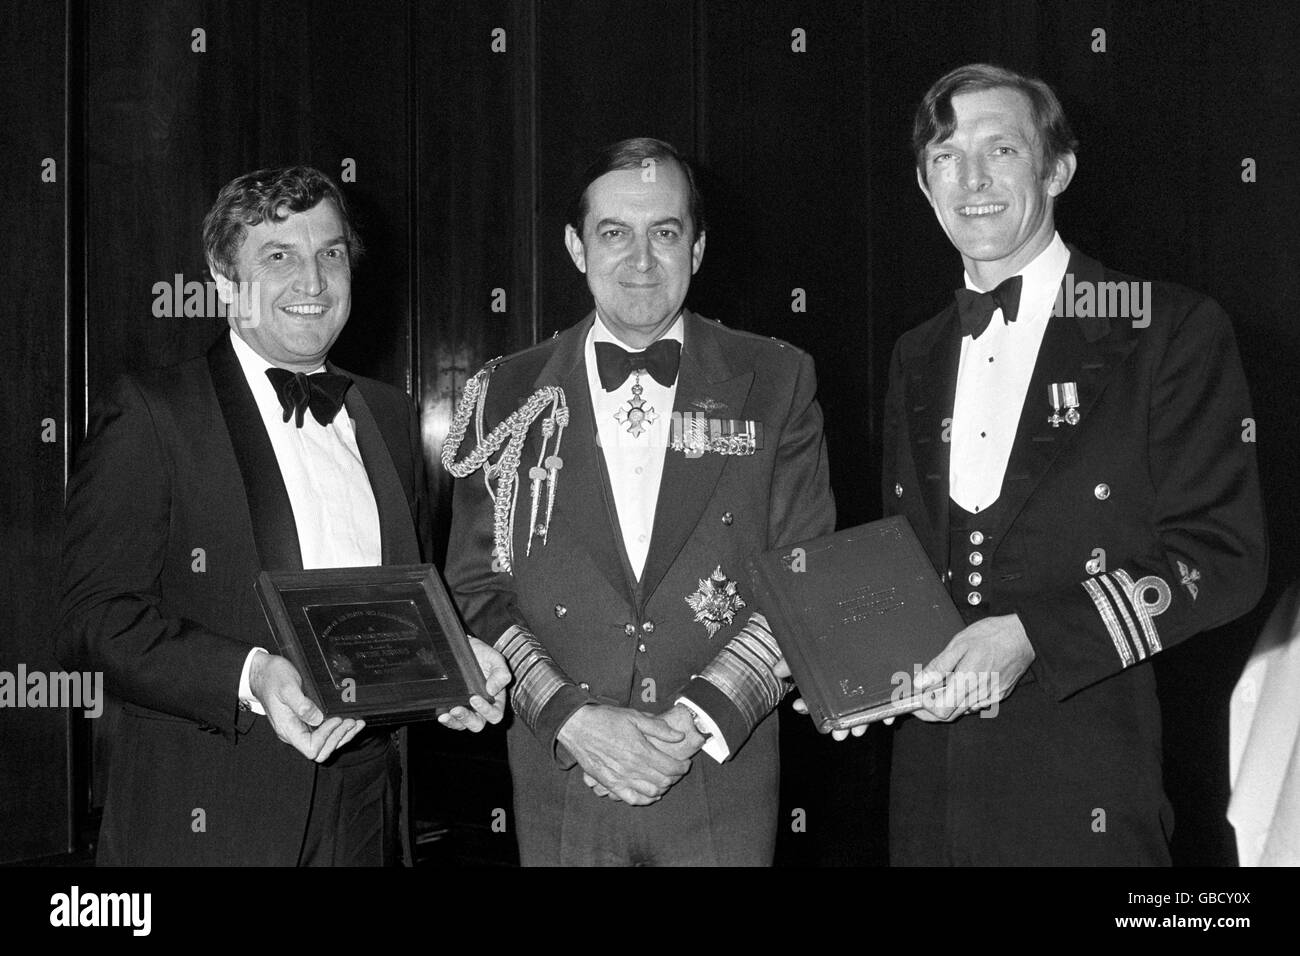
x,y
681,720
276,684
496,675
801,708
618,748
782,670
978,668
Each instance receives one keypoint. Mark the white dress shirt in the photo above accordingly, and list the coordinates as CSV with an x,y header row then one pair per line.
x,y
333,505
992,379
636,467
635,463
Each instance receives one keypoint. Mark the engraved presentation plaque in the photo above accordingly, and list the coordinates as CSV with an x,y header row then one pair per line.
x,y
380,643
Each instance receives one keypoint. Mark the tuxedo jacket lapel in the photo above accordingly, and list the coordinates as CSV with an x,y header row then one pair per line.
x,y
1085,350
274,528
396,522
930,391
687,484
585,500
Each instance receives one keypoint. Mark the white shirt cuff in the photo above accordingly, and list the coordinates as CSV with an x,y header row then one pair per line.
x,y
245,689
715,745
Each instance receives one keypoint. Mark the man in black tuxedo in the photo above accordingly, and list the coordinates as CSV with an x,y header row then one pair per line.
x,y
191,480
1073,447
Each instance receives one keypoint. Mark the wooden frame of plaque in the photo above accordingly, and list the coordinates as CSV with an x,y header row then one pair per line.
x,y
380,643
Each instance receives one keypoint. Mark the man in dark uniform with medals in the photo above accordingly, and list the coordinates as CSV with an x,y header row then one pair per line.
x,y
1069,444
604,559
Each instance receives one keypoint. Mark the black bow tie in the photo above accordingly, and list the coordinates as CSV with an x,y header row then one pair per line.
x,y
322,393
976,308
615,364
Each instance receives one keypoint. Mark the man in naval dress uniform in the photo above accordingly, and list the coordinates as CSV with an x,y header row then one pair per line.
x,y
1069,445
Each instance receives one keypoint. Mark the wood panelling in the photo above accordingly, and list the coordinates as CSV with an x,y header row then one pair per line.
x,y
33,742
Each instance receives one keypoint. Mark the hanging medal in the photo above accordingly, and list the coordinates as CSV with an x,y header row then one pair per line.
x,y
1070,394
634,412
1063,396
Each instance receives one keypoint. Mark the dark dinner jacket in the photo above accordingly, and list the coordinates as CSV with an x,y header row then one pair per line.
x,y
176,504
1151,499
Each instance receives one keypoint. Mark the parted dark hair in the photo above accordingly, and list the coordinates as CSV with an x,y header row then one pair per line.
x,y
268,195
633,154
935,122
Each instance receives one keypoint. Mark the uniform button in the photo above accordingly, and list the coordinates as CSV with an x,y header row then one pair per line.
x,y
1102,491
561,610
585,686
727,517
641,648
1093,566
898,490
976,558
947,575
977,538
648,627
629,629
973,598
975,579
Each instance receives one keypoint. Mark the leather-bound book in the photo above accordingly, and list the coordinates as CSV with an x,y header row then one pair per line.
x,y
857,614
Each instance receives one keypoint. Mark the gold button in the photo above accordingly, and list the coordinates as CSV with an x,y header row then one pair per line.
x,y
641,648
648,627
977,538
898,490
629,629
973,598
1093,566
976,558
585,686
561,610
728,517
1102,491
975,579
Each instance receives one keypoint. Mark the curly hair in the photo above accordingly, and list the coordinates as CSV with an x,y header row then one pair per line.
x,y
268,195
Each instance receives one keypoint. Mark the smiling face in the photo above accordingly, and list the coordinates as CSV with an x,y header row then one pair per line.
x,y
302,287
636,249
986,184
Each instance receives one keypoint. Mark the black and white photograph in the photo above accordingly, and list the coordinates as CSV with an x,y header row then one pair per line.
x,y
857,434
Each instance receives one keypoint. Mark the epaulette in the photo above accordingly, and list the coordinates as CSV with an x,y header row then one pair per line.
x,y
526,350
780,343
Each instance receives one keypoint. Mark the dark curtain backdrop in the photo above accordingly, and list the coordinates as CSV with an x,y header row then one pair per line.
x,y
465,122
